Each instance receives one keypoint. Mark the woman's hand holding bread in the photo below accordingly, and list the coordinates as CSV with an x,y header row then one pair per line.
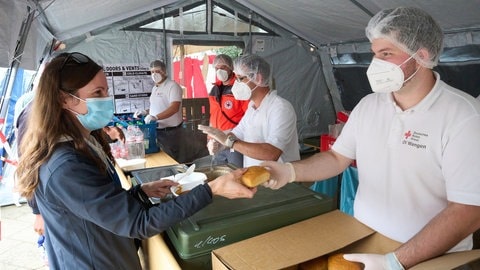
x,y
230,186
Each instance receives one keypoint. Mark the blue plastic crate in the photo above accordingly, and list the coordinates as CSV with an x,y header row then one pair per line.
x,y
149,130
126,119
150,134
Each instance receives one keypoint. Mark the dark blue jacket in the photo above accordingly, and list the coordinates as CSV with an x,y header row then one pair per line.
x,y
91,222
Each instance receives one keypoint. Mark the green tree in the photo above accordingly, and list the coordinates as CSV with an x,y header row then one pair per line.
x,y
232,51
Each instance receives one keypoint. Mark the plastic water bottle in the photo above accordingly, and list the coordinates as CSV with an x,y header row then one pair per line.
x,y
123,146
146,139
130,142
139,142
43,250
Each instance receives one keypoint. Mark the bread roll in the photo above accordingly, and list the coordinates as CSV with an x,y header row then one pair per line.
x,y
337,262
255,175
320,263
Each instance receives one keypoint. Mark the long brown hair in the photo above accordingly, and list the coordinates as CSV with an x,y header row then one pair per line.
x,y
48,122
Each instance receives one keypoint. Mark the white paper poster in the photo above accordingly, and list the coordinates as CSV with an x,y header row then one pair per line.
x,y
131,86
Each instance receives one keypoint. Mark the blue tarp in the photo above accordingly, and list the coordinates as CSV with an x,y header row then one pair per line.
x,y
347,192
328,187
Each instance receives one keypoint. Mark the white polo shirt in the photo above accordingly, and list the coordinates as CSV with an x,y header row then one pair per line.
x,y
411,163
273,122
161,98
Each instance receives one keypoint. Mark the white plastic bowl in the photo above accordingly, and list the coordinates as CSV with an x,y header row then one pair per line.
x,y
193,177
182,188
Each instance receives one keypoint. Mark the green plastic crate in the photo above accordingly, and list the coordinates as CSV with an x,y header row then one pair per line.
x,y
227,221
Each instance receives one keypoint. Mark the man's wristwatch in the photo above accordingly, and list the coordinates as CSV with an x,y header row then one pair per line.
x,y
231,139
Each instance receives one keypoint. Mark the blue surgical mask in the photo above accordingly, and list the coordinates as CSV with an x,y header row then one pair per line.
x,y
99,112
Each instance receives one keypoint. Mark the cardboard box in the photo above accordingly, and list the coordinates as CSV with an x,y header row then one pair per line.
x,y
226,221
290,246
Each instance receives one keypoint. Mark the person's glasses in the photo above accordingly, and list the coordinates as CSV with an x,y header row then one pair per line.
x,y
72,59
77,59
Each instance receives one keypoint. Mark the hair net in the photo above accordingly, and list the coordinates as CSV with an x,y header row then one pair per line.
x,y
251,66
410,29
223,59
158,64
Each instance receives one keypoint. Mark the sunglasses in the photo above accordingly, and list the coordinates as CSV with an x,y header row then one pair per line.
x,y
72,59
77,59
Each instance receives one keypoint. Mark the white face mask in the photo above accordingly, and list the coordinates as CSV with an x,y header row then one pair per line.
x,y
386,77
241,91
157,77
222,75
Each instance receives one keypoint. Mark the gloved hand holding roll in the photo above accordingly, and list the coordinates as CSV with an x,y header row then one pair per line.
x,y
376,261
280,174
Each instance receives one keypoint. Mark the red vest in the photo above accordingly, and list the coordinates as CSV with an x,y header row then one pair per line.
x,y
225,110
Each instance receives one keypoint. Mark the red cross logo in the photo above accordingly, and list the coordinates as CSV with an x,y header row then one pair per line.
x,y
228,104
408,134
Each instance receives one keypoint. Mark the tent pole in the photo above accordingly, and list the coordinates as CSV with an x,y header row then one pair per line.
x,y
182,64
363,8
22,37
164,38
250,30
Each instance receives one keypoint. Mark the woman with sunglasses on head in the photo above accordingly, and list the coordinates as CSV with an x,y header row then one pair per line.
x,y
91,222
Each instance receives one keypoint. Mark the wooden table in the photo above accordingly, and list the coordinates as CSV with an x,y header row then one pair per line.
x,y
156,252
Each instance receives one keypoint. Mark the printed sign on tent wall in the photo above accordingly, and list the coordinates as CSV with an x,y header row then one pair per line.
x,y
259,45
131,86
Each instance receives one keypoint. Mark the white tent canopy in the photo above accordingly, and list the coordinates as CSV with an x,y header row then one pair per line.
x,y
319,22
304,37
